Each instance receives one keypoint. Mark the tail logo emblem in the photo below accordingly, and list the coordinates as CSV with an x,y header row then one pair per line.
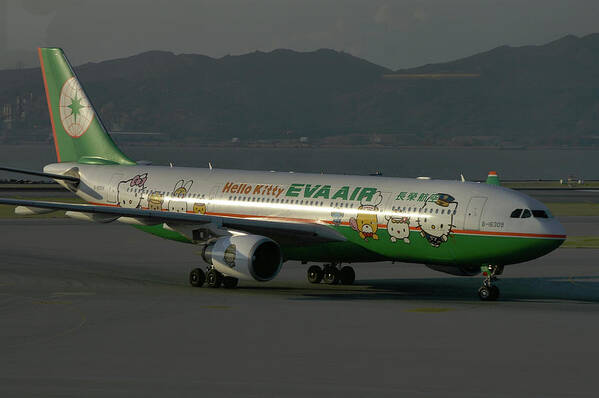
x,y
76,113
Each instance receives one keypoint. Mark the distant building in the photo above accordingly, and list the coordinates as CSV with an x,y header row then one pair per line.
x,y
7,116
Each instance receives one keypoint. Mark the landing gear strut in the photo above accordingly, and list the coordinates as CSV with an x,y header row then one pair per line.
x,y
331,274
488,291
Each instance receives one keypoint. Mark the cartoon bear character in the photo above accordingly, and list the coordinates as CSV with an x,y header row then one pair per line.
x,y
178,204
155,201
398,228
366,223
436,219
136,186
199,208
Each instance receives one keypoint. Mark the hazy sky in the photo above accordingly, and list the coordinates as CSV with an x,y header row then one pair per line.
x,y
396,34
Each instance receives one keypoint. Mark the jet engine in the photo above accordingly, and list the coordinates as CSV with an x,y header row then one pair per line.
x,y
455,270
249,257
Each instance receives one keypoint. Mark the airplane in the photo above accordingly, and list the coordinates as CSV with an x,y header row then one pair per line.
x,y
248,223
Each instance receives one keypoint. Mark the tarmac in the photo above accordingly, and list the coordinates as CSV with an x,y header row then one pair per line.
x,y
92,310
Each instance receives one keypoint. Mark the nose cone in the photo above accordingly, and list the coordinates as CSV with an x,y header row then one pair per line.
x,y
556,228
554,236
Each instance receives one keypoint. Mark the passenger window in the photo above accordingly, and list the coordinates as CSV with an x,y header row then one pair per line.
x,y
526,213
539,214
516,213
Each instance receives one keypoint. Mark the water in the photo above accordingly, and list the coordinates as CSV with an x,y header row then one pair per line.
x,y
474,164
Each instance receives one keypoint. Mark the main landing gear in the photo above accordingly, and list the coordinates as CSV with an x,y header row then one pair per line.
x,y
212,278
488,291
331,274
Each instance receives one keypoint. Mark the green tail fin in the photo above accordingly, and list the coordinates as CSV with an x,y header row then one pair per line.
x,y
79,135
493,178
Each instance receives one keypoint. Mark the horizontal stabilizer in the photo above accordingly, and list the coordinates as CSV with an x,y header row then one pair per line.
x,y
42,174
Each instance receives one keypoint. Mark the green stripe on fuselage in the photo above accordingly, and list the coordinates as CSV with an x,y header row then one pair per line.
x,y
459,250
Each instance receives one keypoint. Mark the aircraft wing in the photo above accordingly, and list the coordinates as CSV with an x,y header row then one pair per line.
x,y
274,229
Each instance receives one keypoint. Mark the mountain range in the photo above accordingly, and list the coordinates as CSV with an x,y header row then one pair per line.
x,y
531,95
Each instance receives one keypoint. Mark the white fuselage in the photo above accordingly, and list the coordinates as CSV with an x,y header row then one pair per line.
x,y
435,208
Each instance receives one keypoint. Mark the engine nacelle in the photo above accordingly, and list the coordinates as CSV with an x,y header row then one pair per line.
x,y
455,270
249,257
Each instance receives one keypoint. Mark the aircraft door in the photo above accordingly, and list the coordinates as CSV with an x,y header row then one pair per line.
x,y
113,187
474,212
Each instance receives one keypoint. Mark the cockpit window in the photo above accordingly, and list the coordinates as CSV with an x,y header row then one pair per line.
x,y
540,214
516,213
526,213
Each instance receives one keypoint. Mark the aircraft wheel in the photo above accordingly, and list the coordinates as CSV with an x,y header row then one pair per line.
x,y
315,274
197,277
488,293
331,276
494,292
229,282
214,278
347,275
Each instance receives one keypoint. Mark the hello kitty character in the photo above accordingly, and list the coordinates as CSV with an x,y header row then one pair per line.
x,y
398,228
131,192
178,204
436,219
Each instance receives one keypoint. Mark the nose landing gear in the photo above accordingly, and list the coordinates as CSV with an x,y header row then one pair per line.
x,y
488,291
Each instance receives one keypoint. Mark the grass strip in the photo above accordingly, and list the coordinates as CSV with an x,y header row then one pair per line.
x,y
573,209
582,242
